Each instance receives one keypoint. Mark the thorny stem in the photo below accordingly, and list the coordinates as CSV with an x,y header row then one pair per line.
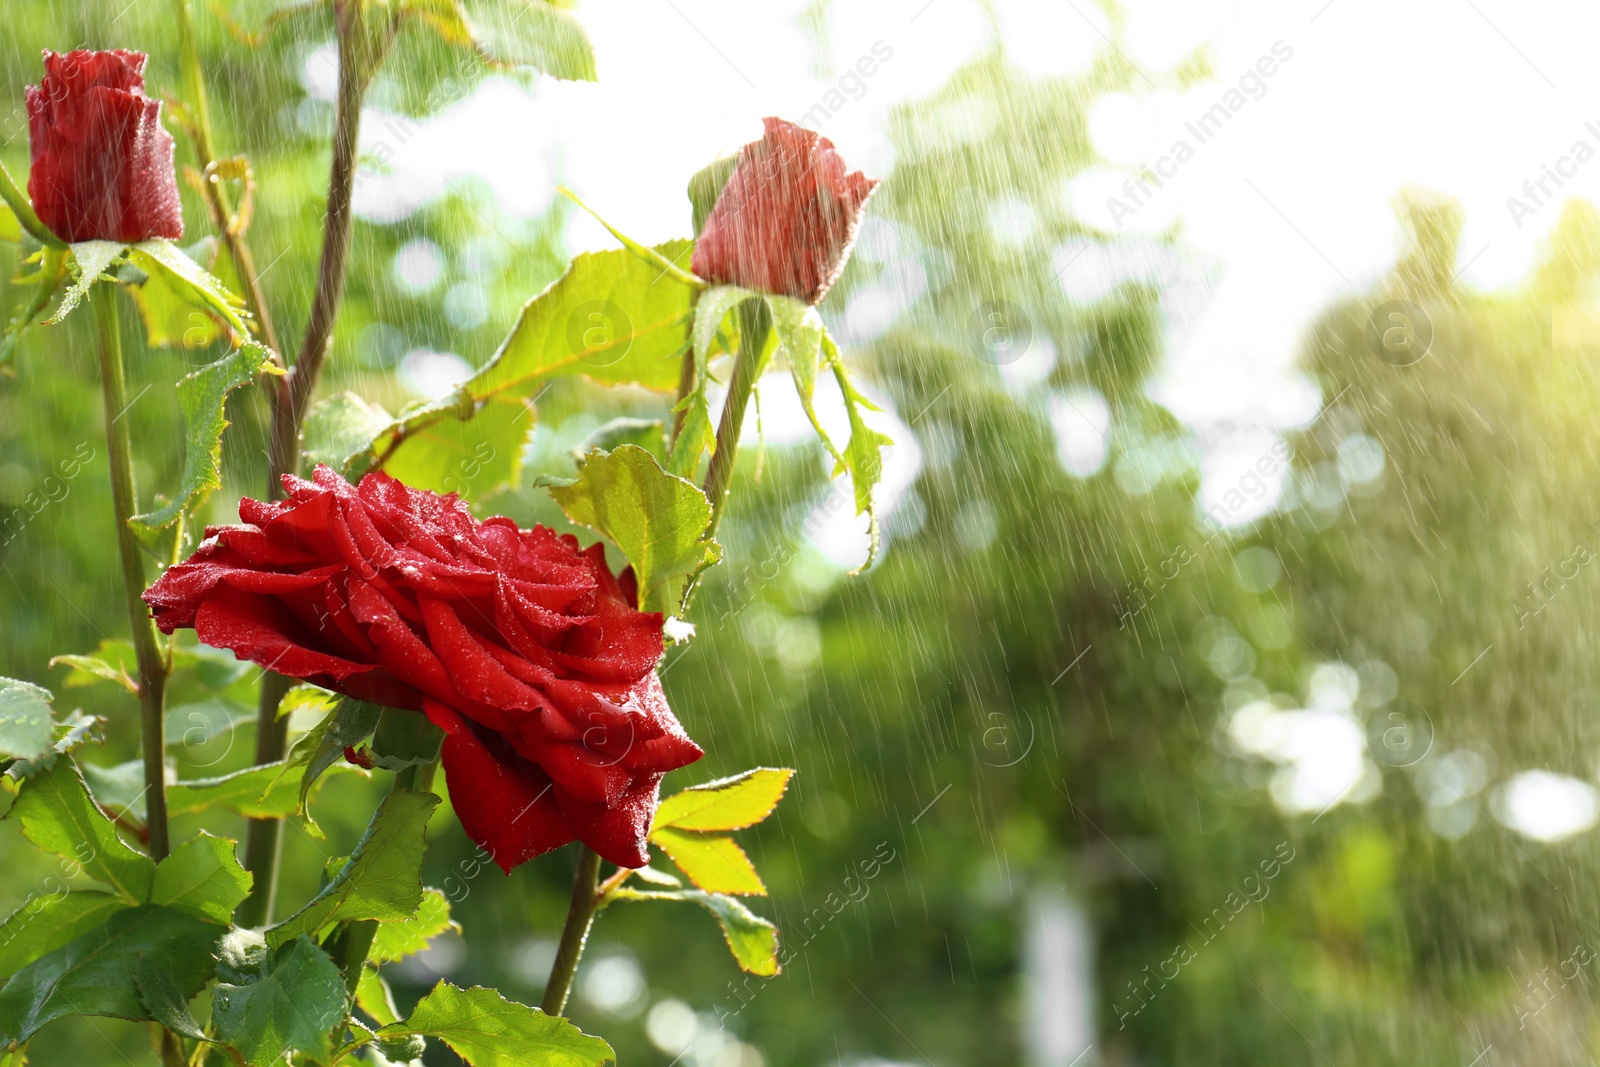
x,y
754,322
580,914
152,665
262,837
217,198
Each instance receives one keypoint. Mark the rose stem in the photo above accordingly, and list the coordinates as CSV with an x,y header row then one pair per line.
x,y
754,322
356,941
217,194
152,664
263,835
580,915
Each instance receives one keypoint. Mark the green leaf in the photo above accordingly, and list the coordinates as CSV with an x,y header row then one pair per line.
x,y
340,428
70,734
267,791
59,816
529,33
117,790
395,941
307,698
726,804
405,739
350,723
203,396
202,877
163,260
383,879
712,862
657,519
27,725
705,188
487,1030
374,998
472,454
92,259
46,922
93,973
113,661
612,318
10,227
800,334
174,312
863,457
255,792
52,270
293,1006
162,998
752,939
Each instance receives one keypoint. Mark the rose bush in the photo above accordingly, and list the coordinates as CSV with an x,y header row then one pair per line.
x,y
102,163
787,218
526,651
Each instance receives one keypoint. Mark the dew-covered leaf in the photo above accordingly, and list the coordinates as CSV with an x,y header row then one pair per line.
x,y
27,724
658,520
91,259
203,396
166,264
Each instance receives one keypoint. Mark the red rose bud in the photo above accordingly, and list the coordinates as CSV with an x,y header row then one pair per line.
x,y
102,163
787,218
526,651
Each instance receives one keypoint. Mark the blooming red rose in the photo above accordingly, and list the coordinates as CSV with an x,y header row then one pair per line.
x,y
526,651
787,217
102,163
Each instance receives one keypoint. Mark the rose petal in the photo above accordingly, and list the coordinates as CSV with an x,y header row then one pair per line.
x,y
505,803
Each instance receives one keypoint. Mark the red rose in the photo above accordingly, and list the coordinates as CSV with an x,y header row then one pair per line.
x,y
102,163
787,217
527,652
